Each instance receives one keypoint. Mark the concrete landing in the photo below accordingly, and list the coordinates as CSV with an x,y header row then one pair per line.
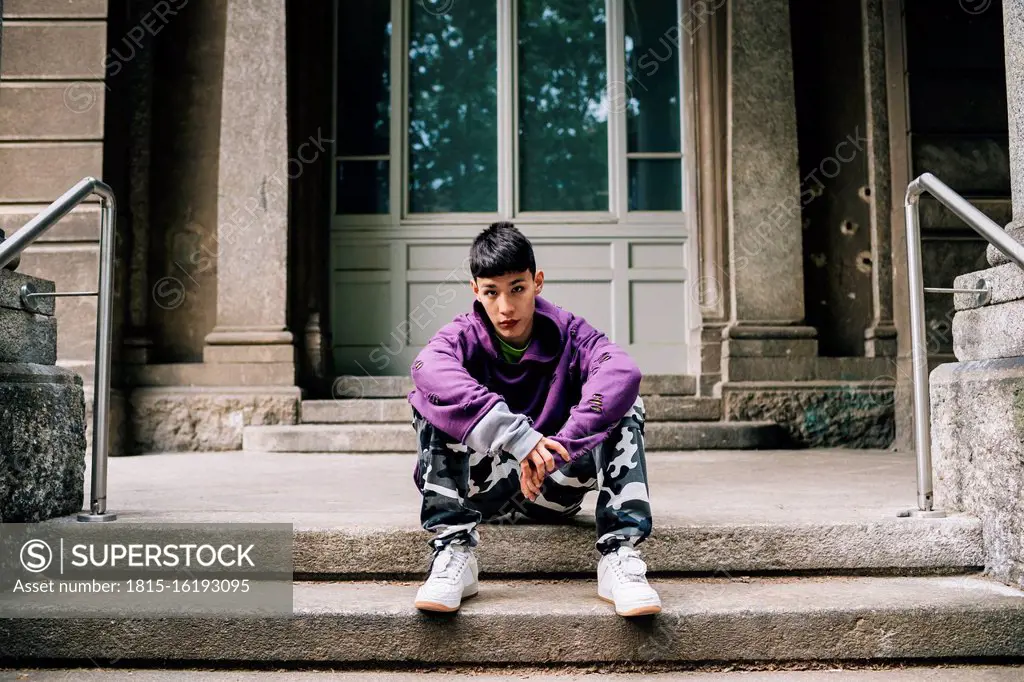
x,y
714,512
538,622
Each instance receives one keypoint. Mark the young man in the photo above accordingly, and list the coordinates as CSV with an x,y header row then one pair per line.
x,y
521,408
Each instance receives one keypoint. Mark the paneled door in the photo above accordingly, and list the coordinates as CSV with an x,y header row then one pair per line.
x,y
567,117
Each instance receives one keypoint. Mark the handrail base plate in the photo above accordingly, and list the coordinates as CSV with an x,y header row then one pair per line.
x,y
89,517
922,514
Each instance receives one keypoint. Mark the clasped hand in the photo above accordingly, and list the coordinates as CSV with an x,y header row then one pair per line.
x,y
536,465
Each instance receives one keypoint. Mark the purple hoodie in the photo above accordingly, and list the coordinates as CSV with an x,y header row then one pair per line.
x,y
572,384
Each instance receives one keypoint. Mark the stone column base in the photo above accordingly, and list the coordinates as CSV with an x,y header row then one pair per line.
x,y
978,454
754,352
42,451
880,341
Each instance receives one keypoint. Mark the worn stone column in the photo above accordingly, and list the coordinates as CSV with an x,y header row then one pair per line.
x,y
42,446
978,402
765,233
880,337
252,213
1013,44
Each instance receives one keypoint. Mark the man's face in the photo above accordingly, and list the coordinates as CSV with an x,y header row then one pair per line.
x,y
509,302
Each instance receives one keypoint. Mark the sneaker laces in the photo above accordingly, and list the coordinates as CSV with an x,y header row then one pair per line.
x,y
629,566
449,563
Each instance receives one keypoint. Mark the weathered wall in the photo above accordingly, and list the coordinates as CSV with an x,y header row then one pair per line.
x,y
52,105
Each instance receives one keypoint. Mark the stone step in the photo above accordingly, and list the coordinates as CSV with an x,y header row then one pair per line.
x,y
385,437
353,387
898,671
27,337
714,511
1006,281
881,547
989,333
10,292
542,622
396,410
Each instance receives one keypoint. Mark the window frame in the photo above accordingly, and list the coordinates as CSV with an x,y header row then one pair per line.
x,y
402,221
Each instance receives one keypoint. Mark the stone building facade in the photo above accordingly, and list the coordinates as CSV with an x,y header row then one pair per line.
x,y
298,183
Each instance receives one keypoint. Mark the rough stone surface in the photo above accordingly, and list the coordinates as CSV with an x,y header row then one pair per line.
x,y
32,9
852,416
50,50
989,333
42,443
397,410
1013,40
978,454
10,290
879,175
1007,282
74,267
885,546
1014,229
355,387
762,147
384,437
196,419
898,673
16,261
746,435
801,619
714,511
26,337
46,111
252,211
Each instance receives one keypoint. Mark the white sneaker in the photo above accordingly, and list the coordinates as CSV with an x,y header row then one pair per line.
x,y
453,577
622,580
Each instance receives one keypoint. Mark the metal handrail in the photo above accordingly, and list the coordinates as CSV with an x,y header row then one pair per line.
x,y
12,247
995,235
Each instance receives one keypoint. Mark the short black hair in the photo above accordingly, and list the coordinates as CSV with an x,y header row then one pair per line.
x,y
499,250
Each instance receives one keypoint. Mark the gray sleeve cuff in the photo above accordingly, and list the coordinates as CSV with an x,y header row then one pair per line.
x,y
500,429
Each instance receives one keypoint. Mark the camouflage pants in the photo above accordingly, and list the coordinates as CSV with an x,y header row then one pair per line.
x,y
462,488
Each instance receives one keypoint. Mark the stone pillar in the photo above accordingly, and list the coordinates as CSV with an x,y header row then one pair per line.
x,y
978,402
251,341
138,91
42,449
880,337
978,418
1013,44
765,232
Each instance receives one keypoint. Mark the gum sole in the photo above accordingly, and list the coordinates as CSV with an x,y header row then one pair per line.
x,y
434,607
638,611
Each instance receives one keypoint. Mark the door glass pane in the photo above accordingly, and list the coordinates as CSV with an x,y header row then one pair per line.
x,y
362,187
453,98
655,185
652,76
563,106
364,83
